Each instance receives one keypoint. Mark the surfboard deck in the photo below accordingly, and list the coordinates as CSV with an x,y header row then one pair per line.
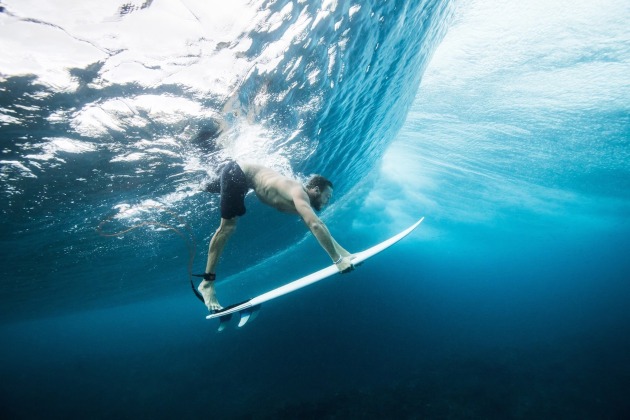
x,y
249,309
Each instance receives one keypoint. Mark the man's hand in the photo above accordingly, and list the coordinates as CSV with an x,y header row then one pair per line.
x,y
345,265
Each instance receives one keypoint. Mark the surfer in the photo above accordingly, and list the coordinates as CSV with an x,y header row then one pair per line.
x,y
278,191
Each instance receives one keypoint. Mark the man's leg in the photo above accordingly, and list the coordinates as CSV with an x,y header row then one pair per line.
x,y
217,243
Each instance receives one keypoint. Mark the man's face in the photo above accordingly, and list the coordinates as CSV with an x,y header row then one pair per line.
x,y
321,198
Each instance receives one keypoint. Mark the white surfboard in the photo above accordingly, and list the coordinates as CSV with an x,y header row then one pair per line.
x,y
247,310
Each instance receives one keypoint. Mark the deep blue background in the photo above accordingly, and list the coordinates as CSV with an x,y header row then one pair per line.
x,y
449,326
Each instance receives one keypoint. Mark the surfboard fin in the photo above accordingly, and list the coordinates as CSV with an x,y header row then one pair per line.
x,y
248,314
245,316
224,321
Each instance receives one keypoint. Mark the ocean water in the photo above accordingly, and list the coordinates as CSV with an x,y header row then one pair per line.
x,y
506,124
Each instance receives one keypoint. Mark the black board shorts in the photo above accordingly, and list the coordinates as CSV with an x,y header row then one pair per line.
x,y
232,184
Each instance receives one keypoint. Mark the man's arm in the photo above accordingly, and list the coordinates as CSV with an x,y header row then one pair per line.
x,y
340,249
340,256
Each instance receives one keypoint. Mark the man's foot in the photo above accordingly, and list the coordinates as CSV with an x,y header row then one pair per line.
x,y
206,288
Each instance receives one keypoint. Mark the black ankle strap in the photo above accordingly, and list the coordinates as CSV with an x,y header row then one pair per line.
x,y
206,276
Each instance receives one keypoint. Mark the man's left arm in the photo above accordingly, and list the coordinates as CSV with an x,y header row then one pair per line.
x,y
336,252
340,249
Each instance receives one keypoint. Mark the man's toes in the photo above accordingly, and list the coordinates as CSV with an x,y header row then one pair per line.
x,y
215,307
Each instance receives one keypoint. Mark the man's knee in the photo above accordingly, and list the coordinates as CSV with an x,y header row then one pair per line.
x,y
227,226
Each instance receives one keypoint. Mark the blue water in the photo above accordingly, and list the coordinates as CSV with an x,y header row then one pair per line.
x,y
506,125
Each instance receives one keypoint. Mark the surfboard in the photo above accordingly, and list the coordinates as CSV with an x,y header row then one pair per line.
x,y
249,309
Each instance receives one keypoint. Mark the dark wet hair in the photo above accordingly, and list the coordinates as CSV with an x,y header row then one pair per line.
x,y
319,182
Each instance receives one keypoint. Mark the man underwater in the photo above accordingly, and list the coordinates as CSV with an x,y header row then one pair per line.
x,y
278,191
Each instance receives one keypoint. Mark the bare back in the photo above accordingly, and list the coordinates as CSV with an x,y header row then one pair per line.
x,y
273,188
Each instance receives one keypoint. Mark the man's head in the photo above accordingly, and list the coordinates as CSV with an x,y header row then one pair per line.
x,y
319,190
